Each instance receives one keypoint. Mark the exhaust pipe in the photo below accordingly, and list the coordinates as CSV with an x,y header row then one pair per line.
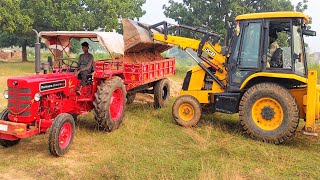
x,y
37,52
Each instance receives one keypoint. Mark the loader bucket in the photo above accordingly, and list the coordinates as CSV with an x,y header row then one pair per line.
x,y
137,39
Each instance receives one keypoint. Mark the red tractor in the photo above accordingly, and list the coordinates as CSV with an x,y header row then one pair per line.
x,y
50,101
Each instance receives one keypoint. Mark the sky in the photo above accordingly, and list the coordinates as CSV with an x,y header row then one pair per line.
x,y
154,14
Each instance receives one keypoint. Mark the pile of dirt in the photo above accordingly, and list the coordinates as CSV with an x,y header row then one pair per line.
x,y
10,54
142,57
175,87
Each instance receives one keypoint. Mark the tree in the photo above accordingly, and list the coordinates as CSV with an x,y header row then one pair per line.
x,y
67,15
302,6
218,15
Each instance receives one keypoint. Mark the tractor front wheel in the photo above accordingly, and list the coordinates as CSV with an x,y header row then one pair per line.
x,y
186,111
7,143
61,134
269,113
110,104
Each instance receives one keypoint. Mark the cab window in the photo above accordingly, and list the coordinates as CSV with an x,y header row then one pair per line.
x,y
297,50
279,45
249,53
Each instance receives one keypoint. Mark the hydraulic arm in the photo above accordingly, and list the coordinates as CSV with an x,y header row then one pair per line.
x,y
209,53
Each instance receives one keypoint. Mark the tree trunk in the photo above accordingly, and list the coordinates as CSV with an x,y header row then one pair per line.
x,y
24,52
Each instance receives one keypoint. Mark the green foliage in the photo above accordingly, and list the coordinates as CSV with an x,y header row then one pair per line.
x,y
12,18
18,17
302,6
217,15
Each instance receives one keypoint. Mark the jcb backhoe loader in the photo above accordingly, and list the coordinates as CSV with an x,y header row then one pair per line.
x,y
262,75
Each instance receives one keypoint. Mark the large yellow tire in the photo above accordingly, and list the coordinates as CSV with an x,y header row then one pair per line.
x,y
186,111
269,113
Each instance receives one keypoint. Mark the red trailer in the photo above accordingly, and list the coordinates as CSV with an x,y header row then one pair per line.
x,y
49,101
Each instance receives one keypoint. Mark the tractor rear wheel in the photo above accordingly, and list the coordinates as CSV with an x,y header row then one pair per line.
x,y
186,111
161,93
7,143
110,104
61,134
130,97
269,113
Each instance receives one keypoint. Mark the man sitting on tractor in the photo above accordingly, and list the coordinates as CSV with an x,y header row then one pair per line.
x,y
85,65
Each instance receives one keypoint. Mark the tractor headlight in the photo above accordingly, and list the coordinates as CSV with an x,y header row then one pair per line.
x,y
37,97
5,94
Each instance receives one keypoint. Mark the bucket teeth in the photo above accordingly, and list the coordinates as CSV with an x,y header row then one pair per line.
x,y
137,39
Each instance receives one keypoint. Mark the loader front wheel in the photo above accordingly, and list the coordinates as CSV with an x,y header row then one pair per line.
x,y
7,143
186,111
61,134
269,113
110,104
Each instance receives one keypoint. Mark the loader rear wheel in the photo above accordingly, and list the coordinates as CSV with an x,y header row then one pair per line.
x,y
110,104
7,143
161,93
186,111
130,97
61,134
269,113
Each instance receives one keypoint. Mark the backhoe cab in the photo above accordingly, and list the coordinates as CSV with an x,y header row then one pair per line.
x,y
263,75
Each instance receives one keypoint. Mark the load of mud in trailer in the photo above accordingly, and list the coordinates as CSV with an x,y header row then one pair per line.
x,y
50,101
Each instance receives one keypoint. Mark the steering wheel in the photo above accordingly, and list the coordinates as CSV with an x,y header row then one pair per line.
x,y
72,63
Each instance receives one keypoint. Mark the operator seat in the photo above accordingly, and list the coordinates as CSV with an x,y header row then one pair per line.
x,y
276,59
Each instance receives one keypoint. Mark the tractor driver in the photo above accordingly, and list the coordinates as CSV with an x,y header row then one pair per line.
x,y
85,65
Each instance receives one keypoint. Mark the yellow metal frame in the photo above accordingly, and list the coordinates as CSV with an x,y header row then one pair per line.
x,y
267,15
274,75
312,103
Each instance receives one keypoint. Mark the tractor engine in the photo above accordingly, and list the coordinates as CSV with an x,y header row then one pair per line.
x,y
35,98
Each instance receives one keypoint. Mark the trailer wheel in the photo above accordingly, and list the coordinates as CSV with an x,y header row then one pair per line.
x,y
269,113
7,143
161,93
61,134
130,97
110,104
186,111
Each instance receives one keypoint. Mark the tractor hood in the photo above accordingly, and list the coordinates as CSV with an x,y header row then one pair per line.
x,y
45,82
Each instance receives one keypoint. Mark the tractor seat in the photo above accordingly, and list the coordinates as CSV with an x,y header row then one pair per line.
x,y
276,59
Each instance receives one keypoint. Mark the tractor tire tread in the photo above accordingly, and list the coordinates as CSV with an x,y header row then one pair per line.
x,y
54,148
159,102
102,101
195,104
7,143
293,112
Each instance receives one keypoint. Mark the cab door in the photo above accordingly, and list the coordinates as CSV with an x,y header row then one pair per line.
x,y
246,54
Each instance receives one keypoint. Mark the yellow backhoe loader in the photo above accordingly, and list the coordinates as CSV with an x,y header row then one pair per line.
x,y
262,75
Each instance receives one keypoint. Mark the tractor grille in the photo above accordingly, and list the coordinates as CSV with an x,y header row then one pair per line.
x,y
19,99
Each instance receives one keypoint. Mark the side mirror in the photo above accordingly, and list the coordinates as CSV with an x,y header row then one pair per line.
x,y
309,32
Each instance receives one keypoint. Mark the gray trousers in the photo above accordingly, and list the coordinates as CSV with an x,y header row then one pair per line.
x,y
83,77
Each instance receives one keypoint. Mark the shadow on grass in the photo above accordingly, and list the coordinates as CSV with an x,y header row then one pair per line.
x,y
223,122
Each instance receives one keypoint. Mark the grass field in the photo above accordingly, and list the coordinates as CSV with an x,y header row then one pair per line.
x,y
148,145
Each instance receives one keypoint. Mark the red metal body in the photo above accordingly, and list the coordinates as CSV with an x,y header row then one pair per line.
x,y
28,117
